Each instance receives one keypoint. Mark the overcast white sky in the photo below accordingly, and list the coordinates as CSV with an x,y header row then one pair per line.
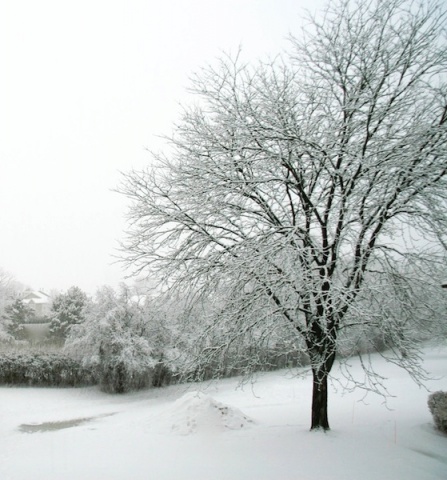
x,y
85,87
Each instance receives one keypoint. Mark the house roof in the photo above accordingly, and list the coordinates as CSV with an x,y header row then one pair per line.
x,y
35,296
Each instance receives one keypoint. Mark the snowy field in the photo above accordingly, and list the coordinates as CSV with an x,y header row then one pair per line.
x,y
258,432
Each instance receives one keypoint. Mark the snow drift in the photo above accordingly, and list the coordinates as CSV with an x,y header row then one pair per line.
x,y
197,412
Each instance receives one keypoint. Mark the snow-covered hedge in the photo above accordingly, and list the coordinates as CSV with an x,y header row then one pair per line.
x,y
437,403
43,369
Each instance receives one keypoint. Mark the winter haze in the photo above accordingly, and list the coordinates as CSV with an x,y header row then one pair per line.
x,y
86,88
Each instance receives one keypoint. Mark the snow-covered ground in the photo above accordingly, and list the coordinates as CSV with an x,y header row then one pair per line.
x,y
258,432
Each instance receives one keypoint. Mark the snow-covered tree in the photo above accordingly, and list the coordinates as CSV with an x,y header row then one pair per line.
x,y
298,184
117,337
15,316
67,309
10,289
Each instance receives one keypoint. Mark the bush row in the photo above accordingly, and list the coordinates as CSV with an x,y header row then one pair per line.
x,y
59,370
43,369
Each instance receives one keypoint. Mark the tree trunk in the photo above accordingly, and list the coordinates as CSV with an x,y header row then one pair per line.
x,y
322,352
319,401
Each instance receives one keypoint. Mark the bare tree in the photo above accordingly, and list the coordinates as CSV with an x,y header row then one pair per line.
x,y
299,184
10,289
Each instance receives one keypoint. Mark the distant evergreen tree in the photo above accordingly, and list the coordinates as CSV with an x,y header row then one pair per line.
x,y
14,318
67,310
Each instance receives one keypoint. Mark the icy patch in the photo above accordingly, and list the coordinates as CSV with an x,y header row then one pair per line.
x,y
196,412
58,425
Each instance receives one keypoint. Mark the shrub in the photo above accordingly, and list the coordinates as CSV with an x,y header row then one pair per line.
x,y
162,375
120,374
437,403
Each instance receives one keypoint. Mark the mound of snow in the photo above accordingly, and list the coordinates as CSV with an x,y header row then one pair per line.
x,y
198,412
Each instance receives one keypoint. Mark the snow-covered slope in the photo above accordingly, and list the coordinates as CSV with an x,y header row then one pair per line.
x,y
260,431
